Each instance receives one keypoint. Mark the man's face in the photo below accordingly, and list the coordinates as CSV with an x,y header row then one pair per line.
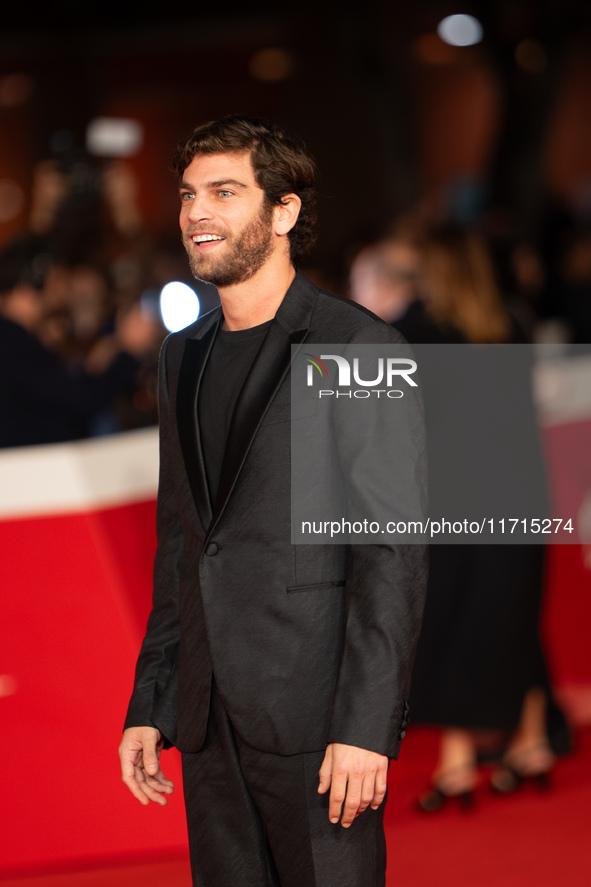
x,y
227,227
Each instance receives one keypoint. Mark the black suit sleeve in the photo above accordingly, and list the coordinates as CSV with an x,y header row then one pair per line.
x,y
385,583
157,658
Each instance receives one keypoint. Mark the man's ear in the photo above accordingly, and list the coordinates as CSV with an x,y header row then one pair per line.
x,y
286,213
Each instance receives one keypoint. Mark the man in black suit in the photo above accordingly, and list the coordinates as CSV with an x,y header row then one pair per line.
x,y
267,664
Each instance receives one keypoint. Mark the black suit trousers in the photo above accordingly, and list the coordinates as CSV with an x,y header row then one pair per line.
x,y
256,819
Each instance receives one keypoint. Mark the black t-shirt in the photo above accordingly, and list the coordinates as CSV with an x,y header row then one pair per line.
x,y
230,360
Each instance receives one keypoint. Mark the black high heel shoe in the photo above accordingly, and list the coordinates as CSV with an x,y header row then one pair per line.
x,y
530,766
445,790
436,799
507,780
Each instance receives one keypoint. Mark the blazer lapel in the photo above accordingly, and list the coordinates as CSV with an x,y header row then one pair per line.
x,y
195,357
290,327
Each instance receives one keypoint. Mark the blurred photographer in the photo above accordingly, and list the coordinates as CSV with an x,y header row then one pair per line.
x,y
42,400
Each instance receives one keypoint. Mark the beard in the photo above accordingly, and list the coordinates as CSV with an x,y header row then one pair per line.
x,y
244,255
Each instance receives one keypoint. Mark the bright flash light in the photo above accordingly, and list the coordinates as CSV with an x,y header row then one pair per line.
x,y
460,30
114,137
179,306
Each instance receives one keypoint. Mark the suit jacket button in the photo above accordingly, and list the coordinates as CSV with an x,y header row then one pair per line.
x,y
402,734
212,549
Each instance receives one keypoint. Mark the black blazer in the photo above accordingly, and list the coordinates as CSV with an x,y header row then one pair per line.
x,y
309,644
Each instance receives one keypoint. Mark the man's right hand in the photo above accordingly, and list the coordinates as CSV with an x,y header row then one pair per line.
x,y
140,770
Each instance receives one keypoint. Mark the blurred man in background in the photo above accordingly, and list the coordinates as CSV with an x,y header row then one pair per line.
x,y
42,400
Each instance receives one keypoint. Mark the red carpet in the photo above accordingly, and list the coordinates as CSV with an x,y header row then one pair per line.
x,y
76,592
531,839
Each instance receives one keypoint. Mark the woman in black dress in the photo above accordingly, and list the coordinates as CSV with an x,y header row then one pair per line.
x,y
479,664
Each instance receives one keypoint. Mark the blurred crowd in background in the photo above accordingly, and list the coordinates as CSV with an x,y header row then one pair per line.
x,y
420,117
78,351
85,276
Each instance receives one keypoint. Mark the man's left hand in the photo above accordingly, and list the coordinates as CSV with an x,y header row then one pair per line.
x,y
357,778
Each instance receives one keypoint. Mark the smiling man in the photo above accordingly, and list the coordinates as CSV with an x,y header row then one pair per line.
x,y
249,247
280,671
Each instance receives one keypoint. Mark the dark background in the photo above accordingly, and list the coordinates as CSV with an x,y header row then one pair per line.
x,y
395,117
